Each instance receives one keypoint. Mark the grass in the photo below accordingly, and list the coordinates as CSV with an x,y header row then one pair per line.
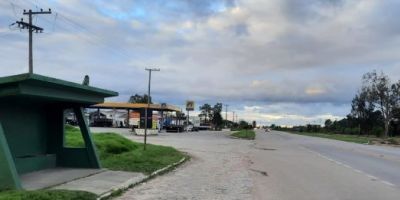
x,y
245,134
341,137
372,140
46,195
119,153
115,153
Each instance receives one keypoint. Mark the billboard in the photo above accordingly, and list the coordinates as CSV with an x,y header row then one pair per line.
x,y
134,118
189,105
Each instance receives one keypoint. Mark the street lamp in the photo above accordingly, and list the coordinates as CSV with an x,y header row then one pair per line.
x,y
226,115
148,105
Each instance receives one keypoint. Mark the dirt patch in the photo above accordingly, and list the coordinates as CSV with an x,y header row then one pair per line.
x,y
393,142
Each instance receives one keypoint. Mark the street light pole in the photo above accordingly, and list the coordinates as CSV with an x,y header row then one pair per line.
x,y
148,105
226,115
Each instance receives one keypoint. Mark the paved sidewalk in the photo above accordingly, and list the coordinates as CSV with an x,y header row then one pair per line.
x,y
217,170
50,177
104,183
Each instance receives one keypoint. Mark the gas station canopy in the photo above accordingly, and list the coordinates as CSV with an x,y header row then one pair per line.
x,y
117,105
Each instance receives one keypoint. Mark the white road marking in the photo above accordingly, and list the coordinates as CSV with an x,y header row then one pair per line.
x,y
347,166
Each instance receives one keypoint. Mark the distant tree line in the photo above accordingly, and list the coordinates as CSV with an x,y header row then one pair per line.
x,y
375,110
137,98
211,115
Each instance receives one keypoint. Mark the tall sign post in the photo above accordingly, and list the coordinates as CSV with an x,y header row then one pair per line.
x,y
189,107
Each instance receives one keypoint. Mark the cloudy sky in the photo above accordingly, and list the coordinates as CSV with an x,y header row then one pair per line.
x,y
286,62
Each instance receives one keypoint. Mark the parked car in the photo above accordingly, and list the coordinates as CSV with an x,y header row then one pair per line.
x,y
191,128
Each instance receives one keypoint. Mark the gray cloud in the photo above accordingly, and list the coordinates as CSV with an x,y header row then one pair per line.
x,y
306,11
297,58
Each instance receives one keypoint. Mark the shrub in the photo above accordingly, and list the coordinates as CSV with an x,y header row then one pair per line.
x,y
377,131
112,143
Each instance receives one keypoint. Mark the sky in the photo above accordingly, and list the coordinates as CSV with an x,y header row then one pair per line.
x,y
285,62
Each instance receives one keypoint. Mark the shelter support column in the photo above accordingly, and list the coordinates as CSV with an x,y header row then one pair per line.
x,y
90,147
9,178
127,119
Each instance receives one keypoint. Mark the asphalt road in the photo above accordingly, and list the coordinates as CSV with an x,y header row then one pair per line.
x,y
276,165
301,167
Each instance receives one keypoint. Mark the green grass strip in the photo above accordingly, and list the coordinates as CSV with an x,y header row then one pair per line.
x,y
245,134
119,153
341,137
47,195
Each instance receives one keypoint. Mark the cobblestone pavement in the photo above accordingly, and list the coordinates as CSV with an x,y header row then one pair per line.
x,y
218,169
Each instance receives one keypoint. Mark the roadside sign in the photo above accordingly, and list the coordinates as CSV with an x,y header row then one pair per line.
x,y
189,105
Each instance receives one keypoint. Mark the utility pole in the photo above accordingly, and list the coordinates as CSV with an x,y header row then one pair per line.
x,y
233,116
31,28
148,105
226,115
187,121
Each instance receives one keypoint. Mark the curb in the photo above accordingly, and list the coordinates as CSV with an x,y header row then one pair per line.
x,y
118,190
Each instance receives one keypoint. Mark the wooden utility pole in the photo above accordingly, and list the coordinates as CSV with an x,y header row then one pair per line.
x,y
226,115
31,28
148,105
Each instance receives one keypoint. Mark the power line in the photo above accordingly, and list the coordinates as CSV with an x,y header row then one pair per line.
x,y
13,8
73,27
95,38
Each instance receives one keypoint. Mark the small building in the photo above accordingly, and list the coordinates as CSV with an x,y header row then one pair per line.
x,y
32,121
108,118
136,112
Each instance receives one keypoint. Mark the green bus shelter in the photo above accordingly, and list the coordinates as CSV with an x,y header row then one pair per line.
x,y
32,120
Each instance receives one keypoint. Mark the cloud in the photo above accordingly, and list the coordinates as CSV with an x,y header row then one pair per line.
x,y
267,54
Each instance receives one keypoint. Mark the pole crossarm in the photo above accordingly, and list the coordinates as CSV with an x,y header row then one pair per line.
x,y
30,12
24,25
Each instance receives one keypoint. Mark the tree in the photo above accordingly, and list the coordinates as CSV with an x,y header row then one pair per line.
x,y
362,110
383,94
217,120
396,122
217,108
139,99
205,112
243,124
216,115
328,123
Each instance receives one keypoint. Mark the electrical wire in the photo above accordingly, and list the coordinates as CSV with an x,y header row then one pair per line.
x,y
77,30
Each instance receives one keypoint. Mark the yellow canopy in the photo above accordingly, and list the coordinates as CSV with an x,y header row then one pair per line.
x,y
118,105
